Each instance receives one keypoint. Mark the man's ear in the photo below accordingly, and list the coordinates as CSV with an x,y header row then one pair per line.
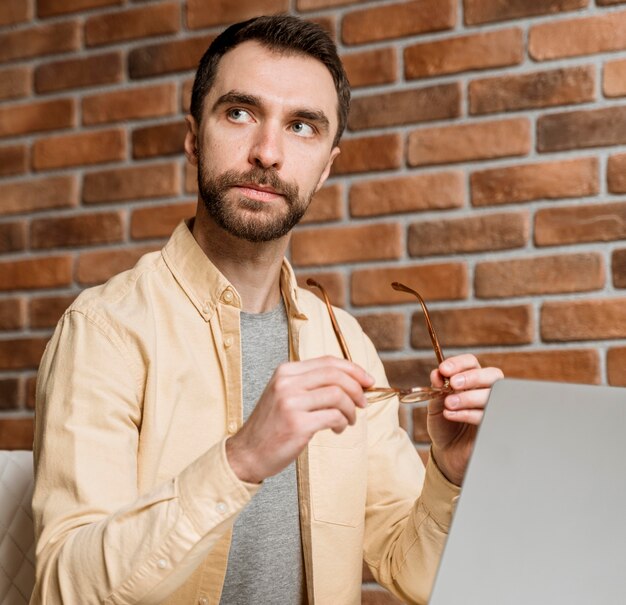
x,y
191,140
333,154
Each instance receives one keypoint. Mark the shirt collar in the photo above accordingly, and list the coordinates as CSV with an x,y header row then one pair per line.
x,y
205,285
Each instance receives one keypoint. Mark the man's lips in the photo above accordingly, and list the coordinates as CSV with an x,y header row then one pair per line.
x,y
258,192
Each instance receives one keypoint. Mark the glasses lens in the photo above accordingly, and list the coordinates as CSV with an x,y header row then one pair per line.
x,y
421,394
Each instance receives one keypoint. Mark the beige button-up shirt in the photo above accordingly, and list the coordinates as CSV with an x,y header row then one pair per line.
x,y
134,502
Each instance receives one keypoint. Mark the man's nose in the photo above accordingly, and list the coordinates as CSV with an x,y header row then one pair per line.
x,y
267,148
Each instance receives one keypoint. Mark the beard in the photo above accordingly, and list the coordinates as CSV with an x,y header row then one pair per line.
x,y
252,220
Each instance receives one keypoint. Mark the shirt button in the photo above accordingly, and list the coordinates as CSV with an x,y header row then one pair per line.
x,y
220,507
203,601
232,427
206,308
228,296
228,341
161,563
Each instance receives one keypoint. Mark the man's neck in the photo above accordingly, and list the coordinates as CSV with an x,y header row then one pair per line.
x,y
252,267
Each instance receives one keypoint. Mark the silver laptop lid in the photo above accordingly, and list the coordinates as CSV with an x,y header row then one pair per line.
x,y
542,515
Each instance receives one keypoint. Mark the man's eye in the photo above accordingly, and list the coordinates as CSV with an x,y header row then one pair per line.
x,y
239,115
302,129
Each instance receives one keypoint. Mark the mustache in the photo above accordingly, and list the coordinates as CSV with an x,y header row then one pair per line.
x,y
259,176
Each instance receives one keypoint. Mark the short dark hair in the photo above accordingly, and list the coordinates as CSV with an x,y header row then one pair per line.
x,y
284,33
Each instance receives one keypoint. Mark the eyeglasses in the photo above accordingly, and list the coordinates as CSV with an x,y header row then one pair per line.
x,y
375,394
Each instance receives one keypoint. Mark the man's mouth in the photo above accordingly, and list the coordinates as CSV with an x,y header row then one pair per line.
x,y
258,192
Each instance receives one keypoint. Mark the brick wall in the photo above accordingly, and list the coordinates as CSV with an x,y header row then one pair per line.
x,y
484,164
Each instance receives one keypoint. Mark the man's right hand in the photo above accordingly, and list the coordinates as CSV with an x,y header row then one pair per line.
x,y
301,398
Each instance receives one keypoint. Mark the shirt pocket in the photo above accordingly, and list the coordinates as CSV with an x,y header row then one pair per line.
x,y
338,484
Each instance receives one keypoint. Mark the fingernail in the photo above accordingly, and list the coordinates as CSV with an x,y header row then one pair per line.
x,y
453,401
446,366
457,381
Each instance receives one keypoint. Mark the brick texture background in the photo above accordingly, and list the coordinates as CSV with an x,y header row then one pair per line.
x,y
484,164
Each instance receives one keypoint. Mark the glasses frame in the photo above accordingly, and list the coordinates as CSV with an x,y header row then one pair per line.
x,y
375,394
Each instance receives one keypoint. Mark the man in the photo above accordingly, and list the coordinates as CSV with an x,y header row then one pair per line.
x,y
199,438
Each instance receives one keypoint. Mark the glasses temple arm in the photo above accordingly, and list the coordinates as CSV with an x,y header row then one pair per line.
x,y
431,331
333,319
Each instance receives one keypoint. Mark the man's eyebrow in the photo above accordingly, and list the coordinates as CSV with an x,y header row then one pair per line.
x,y
237,98
313,115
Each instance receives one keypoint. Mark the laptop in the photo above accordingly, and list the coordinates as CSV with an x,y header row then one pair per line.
x,y
541,519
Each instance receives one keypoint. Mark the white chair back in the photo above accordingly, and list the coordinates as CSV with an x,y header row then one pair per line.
x,y
17,542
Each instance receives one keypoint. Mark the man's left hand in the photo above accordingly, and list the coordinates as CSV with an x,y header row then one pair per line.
x,y
453,421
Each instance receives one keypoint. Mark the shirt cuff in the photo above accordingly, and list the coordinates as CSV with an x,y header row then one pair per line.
x,y
439,496
210,491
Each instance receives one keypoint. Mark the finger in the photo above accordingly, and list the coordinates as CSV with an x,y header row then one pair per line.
x,y
328,377
331,397
327,419
475,399
458,363
475,379
464,416
326,362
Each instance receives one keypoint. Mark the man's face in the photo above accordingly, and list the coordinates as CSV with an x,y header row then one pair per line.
x,y
265,142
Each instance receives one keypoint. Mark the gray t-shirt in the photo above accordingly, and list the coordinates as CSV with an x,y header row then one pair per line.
x,y
265,561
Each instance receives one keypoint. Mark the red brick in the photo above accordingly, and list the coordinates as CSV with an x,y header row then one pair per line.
x,y
16,433
524,183
40,194
220,12
79,73
12,313
159,221
424,191
583,320
479,326
81,230
333,282
13,159
31,391
185,96
407,373
45,311
96,267
48,8
135,183
370,67
10,394
484,232
35,117
367,154
566,365
21,353
130,104
488,11
326,206
581,129
159,140
328,24
468,142
616,173
575,37
150,20
543,275
616,366
529,91
464,53
405,107
609,2
12,236
15,11
373,286
578,224
346,244
420,422
618,268
35,273
398,20
387,330
614,82
378,596
39,40
167,57
307,5
79,149
15,82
